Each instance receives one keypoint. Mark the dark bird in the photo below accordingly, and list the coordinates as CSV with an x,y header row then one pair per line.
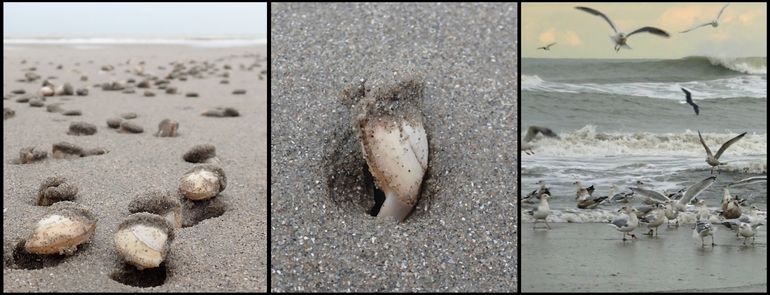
x,y
547,47
689,101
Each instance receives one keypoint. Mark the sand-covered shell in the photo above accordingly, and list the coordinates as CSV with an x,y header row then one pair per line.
x,y
144,240
200,153
163,203
203,182
55,189
395,145
167,128
60,231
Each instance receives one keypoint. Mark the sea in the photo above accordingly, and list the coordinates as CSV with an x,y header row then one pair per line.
x,y
623,121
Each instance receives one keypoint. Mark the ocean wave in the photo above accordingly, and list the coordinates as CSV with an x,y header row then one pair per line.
x,y
587,141
739,86
197,42
746,65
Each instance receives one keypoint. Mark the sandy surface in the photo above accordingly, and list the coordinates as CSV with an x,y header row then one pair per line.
x,y
225,253
593,258
462,235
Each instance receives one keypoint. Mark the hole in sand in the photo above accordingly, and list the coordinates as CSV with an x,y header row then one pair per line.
x,y
196,211
24,260
129,275
354,189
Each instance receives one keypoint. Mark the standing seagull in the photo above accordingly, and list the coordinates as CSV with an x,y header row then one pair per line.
x,y
626,223
703,229
531,133
712,159
542,211
689,101
748,231
620,38
713,23
547,47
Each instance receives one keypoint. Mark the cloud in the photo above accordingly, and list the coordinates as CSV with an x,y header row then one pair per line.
x,y
572,39
748,17
548,36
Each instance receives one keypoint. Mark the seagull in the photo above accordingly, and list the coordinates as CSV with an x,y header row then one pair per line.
x,y
702,229
730,207
654,220
671,213
689,101
703,211
752,218
714,23
624,196
691,192
531,133
620,38
626,223
584,197
712,159
537,193
542,211
750,180
547,47
748,231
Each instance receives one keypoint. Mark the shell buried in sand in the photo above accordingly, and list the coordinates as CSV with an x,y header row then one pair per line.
x,y
395,145
162,203
62,230
203,182
144,240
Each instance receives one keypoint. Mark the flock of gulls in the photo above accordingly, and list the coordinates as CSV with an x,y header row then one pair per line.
x,y
658,207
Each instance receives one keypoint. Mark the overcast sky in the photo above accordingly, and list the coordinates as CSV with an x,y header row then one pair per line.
x,y
134,20
742,30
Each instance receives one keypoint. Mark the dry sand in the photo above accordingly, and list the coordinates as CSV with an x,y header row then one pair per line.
x,y
462,235
225,253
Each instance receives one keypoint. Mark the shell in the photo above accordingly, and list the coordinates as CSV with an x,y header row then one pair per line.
x,y
395,145
144,240
62,230
202,182
162,203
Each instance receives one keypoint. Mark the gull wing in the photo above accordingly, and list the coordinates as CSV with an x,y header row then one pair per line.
x,y
708,151
728,144
620,222
696,189
549,45
534,130
651,30
650,194
598,13
749,180
695,27
721,10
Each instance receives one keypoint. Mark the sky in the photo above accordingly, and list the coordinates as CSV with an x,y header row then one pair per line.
x,y
134,20
742,30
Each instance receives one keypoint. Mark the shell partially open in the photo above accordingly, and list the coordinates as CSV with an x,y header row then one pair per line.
x,y
163,203
144,240
395,145
60,231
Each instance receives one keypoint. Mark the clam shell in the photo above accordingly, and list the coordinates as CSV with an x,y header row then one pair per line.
x,y
144,240
62,230
203,182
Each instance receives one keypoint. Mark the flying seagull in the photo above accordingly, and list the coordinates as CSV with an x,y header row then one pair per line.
x,y
712,159
692,191
689,101
531,133
620,38
713,23
547,47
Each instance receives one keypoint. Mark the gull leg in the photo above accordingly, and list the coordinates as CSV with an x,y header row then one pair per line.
x,y
546,224
712,241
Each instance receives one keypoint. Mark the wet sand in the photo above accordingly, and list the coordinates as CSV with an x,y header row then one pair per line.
x,y
462,235
593,258
224,253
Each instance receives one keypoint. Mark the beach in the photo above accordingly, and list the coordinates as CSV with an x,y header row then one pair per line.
x,y
225,252
593,258
461,236
625,124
